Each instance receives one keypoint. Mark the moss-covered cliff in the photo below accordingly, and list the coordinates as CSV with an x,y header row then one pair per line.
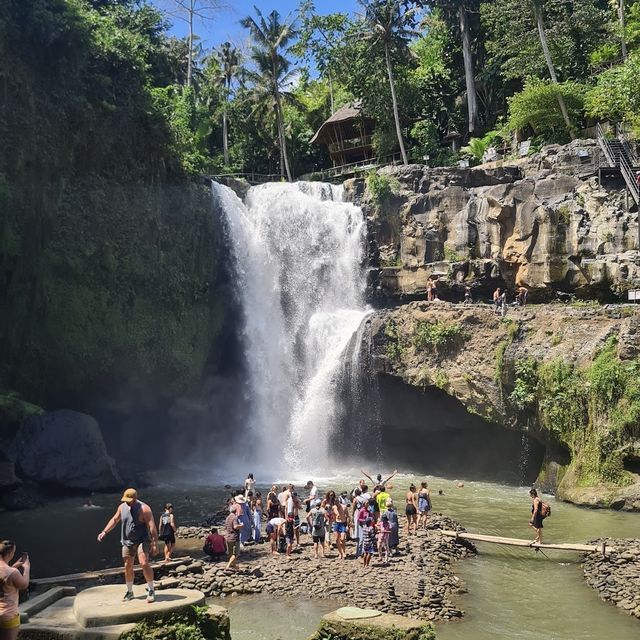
x,y
566,375
109,257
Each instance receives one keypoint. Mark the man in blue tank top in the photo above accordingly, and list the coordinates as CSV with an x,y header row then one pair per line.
x,y
139,536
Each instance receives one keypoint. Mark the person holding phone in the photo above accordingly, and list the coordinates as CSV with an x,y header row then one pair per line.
x,y
13,579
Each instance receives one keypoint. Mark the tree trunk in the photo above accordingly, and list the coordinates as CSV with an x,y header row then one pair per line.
x,y
331,92
623,40
190,45
469,74
283,140
552,71
394,100
225,133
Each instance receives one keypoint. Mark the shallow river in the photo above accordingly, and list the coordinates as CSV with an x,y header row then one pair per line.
x,y
513,593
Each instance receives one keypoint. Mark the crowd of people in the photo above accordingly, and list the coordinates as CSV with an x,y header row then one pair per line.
x,y
367,515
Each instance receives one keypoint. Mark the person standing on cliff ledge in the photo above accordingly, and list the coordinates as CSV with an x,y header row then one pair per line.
x,y
139,536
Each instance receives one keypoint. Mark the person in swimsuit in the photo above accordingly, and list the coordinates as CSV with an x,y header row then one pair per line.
x,y
139,536
328,504
341,517
378,479
167,531
536,515
411,510
13,579
424,505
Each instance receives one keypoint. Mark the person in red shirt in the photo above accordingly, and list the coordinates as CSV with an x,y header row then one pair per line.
x,y
215,545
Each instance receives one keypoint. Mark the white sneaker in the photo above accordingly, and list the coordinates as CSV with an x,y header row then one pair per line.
x,y
151,595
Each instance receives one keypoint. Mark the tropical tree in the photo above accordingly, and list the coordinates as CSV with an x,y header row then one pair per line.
x,y
229,62
390,23
272,73
461,10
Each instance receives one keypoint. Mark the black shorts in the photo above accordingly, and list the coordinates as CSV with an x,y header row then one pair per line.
x,y
410,510
168,539
317,539
537,521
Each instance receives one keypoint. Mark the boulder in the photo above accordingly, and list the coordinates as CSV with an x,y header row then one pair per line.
x,y
8,478
65,449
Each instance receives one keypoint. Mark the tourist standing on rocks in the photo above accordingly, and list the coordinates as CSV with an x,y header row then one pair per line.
x,y
522,293
496,300
257,517
249,485
232,527
327,504
289,534
424,505
411,510
536,515
13,579
242,511
139,536
167,530
313,494
317,520
381,498
368,541
384,531
392,516
341,517
215,546
361,517
282,501
356,505
273,505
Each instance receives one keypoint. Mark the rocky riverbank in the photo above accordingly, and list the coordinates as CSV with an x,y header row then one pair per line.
x,y
616,577
417,582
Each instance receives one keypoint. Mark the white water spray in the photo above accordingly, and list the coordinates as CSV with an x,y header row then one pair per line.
x,y
298,254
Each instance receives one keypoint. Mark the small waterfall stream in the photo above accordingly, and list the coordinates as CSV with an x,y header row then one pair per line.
x,y
298,255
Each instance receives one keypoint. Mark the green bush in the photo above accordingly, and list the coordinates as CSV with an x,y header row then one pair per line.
x,y
193,624
536,107
523,396
381,187
438,336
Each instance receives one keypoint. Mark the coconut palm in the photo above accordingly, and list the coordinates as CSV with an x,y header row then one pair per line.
x,y
229,60
272,72
390,24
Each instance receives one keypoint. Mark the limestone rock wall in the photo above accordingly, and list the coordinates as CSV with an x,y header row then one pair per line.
x,y
544,221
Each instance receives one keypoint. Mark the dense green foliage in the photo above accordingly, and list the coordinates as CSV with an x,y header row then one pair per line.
x,y
438,336
193,624
592,410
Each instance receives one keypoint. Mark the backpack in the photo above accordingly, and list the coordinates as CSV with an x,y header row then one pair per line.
x,y
545,510
318,523
165,524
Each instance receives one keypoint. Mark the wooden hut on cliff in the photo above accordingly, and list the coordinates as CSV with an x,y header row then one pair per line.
x,y
347,135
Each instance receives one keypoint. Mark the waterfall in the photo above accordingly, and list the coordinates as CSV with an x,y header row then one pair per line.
x,y
298,254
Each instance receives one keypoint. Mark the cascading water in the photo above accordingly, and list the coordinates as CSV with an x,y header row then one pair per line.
x,y
298,257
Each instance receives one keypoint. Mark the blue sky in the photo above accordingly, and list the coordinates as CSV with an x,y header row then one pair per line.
x,y
226,27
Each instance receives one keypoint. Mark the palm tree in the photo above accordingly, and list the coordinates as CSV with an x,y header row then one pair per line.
x,y
229,61
390,25
537,11
272,72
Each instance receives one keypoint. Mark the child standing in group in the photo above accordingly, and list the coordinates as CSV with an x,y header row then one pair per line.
x,y
384,531
368,541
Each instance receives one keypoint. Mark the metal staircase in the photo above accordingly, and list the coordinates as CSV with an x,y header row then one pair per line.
x,y
620,155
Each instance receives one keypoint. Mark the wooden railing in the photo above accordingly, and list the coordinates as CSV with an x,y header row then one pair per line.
x,y
251,178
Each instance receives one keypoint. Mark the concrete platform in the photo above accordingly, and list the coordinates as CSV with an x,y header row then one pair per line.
x,y
103,606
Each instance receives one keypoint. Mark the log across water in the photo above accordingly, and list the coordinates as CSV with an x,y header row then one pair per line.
x,y
517,542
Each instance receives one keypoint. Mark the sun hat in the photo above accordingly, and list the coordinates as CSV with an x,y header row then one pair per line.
x,y
240,499
129,496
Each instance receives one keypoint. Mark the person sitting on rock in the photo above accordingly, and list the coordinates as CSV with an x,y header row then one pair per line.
x,y
215,546
139,536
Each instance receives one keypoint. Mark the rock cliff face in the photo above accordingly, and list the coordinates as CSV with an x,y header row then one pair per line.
x,y
563,374
544,221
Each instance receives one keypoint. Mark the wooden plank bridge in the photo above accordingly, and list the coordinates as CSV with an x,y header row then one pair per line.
x,y
516,542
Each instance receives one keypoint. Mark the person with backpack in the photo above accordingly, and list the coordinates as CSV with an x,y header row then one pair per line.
x,y
317,520
539,511
167,531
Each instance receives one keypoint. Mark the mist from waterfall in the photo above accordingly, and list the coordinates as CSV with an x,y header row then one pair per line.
x,y
298,254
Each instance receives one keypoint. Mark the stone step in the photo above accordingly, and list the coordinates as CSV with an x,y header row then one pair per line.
x,y
35,605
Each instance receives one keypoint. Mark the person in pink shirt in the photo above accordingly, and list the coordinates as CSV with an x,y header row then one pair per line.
x,y
13,579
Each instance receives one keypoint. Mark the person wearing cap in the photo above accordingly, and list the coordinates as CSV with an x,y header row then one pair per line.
x,y
139,536
317,520
167,531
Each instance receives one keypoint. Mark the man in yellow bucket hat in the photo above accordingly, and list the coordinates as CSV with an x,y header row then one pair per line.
x,y
139,536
